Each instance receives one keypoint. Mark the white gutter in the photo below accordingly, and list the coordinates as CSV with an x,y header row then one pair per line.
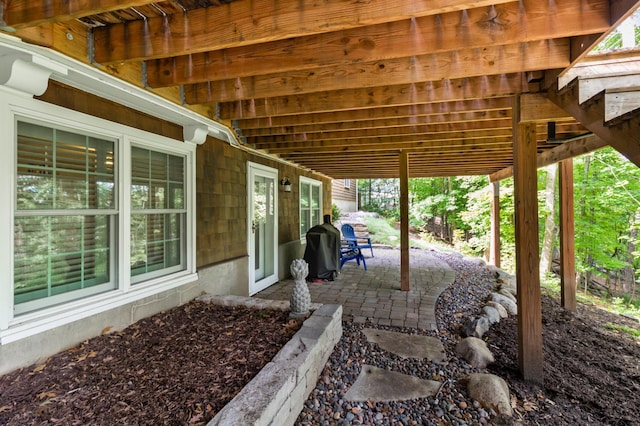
x,y
92,80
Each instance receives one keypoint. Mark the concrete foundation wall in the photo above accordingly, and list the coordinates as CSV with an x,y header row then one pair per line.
x,y
286,254
230,277
345,206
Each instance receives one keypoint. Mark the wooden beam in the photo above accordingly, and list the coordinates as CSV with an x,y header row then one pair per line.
x,y
494,256
493,86
460,120
420,36
491,60
526,250
469,130
404,222
20,14
499,106
567,244
243,23
407,133
537,107
567,150
444,145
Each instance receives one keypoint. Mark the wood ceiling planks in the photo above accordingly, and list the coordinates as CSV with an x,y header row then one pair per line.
x,y
341,86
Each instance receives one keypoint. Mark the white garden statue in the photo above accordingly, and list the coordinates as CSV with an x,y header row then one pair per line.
x,y
300,301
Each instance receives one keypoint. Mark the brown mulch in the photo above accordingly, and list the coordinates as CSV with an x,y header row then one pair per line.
x,y
177,367
182,366
591,373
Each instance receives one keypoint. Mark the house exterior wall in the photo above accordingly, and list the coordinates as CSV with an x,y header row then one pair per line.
x,y
221,256
345,197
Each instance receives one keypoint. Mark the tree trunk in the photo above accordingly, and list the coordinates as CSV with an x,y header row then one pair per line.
x,y
586,275
629,276
546,256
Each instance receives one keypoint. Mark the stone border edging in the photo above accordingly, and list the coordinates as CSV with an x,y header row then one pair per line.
x,y
275,396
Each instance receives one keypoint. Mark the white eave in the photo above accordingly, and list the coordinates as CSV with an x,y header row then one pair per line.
x,y
16,57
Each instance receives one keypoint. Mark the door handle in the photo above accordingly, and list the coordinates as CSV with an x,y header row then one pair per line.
x,y
254,226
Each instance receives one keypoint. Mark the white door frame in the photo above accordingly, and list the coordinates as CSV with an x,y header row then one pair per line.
x,y
253,170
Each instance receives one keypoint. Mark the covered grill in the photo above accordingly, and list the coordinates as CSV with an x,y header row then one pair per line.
x,y
323,251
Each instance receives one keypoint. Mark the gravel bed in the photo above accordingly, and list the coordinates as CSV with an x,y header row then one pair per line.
x,y
326,406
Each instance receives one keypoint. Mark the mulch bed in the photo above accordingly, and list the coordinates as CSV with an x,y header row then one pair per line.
x,y
591,373
177,367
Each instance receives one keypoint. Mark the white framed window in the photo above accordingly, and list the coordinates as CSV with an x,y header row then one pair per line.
x,y
65,215
97,215
347,183
310,205
158,213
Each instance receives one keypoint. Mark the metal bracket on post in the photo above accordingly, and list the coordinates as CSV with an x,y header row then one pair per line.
x,y
144,75
91,50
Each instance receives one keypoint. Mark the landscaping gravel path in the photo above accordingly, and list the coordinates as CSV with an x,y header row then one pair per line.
x,y
445,289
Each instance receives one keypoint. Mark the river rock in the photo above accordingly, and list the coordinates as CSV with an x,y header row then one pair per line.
x,y
491,313
508,304
475,352
475,326
508,292
491,391
498,307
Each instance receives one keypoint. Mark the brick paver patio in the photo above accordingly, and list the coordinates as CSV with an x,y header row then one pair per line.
x,y
375,294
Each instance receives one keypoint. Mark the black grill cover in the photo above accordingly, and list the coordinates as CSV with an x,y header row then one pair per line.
x,y
323,252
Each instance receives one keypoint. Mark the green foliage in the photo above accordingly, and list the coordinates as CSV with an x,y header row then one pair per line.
x,y
335,213
551,283
614,40
607,211
607,194
382,232
633,332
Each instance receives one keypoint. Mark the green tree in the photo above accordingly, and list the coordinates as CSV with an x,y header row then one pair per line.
x,y
607,193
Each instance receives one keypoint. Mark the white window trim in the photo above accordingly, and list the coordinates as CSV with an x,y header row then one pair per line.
x,y
314,182
14,105
347,183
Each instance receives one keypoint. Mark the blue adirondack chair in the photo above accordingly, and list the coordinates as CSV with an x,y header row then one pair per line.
x,y
350,251
349,235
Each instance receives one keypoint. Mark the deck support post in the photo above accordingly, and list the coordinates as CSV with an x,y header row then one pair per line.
x,y
494,253
567,246
404,221
530,352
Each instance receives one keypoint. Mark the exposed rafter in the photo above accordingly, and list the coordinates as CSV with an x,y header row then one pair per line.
x,y
340,87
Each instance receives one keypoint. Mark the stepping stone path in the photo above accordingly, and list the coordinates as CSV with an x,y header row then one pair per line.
x,y
407,345
380,385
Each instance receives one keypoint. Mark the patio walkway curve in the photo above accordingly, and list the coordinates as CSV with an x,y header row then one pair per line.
x,y
375,294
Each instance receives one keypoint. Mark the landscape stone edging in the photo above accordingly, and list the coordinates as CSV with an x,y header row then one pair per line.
x,y
275,396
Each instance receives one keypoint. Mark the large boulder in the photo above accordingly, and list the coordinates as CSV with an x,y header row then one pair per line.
x,y
508,292
498,307
508,304
508,281
492,314
500,274
475,326
491,391
475,352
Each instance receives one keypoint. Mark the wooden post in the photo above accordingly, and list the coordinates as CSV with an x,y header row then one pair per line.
x,y
567,246
526,250
404,221
494,254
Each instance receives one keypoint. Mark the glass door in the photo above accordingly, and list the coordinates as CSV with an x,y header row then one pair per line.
x,y
262,225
